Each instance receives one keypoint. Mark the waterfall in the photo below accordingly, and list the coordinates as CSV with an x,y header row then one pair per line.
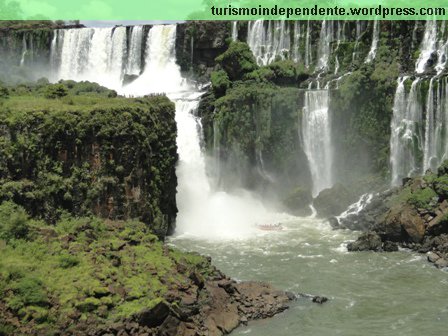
x,y
24,51
93,54
161,72
427,47
234,31
270,42
436,139
296,42
375,37
316,136
324,47
405,142
134,63
308,54
442,50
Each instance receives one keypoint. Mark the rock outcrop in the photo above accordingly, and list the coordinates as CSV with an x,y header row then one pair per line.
x,y
414,216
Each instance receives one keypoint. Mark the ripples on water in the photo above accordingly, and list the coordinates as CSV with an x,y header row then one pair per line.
x,y
370,293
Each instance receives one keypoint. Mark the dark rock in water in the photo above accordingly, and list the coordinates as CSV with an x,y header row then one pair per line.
x,y
333,201
389,246
320,299
368,241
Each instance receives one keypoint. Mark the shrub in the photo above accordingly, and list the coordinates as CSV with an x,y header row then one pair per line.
x,y
237,60
422,198
4,92
55,91
68,261
14,222
220,82
28,291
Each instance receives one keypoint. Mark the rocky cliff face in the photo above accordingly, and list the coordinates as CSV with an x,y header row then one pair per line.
x,y
114,158
413,216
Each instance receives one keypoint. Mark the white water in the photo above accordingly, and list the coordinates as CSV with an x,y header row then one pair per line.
x,y
324,47
234,31
375,38
269,42
405,142
99,54
93,54
134,59
428,46
316,136
356,207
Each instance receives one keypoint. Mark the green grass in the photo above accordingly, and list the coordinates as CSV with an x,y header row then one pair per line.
x,y
58,270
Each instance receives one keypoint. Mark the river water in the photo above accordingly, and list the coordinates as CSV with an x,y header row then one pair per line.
x,y
370,293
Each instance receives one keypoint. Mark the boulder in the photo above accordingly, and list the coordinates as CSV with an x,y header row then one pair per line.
x,y
368,241
333,201
402,223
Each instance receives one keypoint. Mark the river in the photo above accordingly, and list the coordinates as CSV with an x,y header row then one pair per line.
x,y
369,293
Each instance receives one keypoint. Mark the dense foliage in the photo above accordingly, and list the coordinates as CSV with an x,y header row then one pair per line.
x,y
85,270
88,153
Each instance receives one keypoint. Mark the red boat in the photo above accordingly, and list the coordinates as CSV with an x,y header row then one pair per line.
x,y
270,227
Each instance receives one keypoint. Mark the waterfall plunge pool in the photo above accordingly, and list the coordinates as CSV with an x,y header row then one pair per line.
x,y
370,293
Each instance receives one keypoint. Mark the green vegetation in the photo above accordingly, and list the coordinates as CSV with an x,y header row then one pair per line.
x,y
237,60
424,198
88,153
84,267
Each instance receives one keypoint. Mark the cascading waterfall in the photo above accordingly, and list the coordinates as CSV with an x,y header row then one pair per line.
x,y
94,54
234,31
442,49
269,42
428,46
375,38
324,47
436,138
134,64
308,54
316,137
430,150
406,139
24,51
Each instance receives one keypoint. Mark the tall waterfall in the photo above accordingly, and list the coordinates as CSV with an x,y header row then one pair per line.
x,y
436,137
269,42
375,38
94,54
324,48
406,133
428,46
134,64
316,136
234,32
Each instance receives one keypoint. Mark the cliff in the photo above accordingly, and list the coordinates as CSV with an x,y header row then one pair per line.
x,y
89,153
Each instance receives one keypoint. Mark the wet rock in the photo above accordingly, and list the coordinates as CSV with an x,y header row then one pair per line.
x,y
368,241
441,263
389,246
320,299
433,257
333,201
